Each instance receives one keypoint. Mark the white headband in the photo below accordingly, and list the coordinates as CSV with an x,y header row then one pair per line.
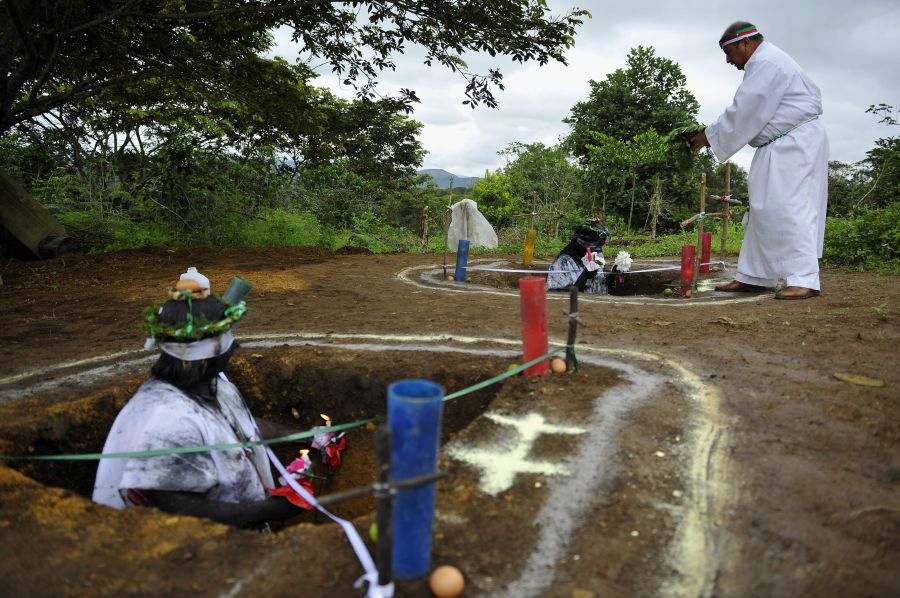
x,y
206,348
746,32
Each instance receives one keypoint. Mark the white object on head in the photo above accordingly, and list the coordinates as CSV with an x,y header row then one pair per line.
x,y
205,348
192,274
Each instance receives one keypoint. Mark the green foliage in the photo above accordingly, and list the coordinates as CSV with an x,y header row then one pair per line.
x,y
68,53
374,139
512,241
613,161
649,93
670,245
23,161
494,195
112,233
616,136
846,184
275,227
871,183
870,241
884,162
679,140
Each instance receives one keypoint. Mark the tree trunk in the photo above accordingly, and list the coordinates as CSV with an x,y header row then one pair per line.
x,y
30,222
631,209
657,207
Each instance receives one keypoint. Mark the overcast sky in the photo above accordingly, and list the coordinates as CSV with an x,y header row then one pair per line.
x,y
850,49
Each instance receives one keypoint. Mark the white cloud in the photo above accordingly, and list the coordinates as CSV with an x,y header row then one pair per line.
x,y
849,49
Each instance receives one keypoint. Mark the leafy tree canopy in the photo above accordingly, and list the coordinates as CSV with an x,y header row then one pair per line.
x,y
649,93
55,53
375,137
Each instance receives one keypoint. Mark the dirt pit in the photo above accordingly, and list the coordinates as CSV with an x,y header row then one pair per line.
x,y
289,386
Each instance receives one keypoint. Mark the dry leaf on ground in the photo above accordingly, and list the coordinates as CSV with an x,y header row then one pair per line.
x,y
859,379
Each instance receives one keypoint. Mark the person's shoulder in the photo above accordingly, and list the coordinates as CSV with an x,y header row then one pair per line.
x,y
154,405
157,394
773,56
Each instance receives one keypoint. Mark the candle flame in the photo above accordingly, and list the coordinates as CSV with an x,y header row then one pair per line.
x,y
326,418
304,452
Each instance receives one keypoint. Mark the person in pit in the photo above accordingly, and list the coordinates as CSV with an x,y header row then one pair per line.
x,y
187,401
580,263
776,110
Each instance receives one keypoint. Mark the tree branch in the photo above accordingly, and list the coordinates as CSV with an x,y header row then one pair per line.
x,y
233,10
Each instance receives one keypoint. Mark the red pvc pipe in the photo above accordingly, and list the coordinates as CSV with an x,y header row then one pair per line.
x,y
704,252
688,253
533,294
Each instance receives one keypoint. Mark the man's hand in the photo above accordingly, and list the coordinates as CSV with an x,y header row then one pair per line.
x,y
699,141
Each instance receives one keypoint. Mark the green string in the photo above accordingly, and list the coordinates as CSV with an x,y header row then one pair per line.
x,y
192,449
503,376
190,312
270,441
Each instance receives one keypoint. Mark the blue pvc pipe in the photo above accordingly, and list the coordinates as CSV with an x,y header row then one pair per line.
x,y
414,417
462,260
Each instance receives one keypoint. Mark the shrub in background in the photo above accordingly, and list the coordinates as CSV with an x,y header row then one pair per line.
x,y
870,241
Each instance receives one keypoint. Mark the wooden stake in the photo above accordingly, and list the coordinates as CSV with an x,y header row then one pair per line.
x,y
533,208
447,226
383,504
726,209
573,325
699,230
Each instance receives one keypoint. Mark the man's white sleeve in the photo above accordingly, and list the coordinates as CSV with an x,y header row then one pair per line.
x,y
754,105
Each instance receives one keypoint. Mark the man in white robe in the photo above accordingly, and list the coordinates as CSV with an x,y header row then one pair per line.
x,y
775,110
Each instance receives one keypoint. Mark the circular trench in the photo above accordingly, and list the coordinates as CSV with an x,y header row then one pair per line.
x,y
646,283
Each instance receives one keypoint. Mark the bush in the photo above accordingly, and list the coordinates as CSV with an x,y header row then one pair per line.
x,y
870,241
95,232
272,228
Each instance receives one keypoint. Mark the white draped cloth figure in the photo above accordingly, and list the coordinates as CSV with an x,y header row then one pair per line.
x,y
467,222
776,110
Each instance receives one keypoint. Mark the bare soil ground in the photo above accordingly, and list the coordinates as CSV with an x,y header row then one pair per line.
x,y
718,454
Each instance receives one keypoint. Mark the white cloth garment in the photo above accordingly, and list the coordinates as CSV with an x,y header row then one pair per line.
x,y
466,222
565,270
775,110
161,416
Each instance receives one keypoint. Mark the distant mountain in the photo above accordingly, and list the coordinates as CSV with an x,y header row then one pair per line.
x,y
444,179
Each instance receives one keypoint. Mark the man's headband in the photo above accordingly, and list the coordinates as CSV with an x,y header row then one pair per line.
x,y
207,348
743,32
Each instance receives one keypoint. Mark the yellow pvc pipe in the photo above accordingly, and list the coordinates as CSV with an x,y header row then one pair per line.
x,y
529,247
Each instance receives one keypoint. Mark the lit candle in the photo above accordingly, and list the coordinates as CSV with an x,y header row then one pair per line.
x,y
321,440
298,466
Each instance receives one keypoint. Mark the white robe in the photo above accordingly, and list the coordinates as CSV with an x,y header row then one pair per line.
x,y
788,182
161,416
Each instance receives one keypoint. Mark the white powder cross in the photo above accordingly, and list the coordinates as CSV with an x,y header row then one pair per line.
x,y
500,462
